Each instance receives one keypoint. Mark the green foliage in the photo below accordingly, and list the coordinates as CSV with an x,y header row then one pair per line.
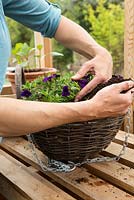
x,y
116,1
38,56
74,10
50,89
79,12
59,61
54,88
107,28
20,33
24,55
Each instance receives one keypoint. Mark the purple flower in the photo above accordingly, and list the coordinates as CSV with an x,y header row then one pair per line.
x,y
82,83
26,93
65,91
87,76
47,79
55,76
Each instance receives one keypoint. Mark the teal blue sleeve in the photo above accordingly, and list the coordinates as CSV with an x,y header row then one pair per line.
x,y
5,46
39,15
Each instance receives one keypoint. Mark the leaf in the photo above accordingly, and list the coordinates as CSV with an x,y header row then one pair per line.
x,y
39,46
56,54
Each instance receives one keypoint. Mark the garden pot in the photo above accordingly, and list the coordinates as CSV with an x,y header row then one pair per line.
x,y
30,75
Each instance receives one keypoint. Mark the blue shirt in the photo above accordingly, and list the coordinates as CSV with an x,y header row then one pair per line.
x,y
39,15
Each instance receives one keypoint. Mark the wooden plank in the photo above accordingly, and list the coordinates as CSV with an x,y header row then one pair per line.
x,y
115,173
120,138
129,48
46,50
80,181
8,96
32,169
7,90
2,197
114,149
33,185
94,187
39,40
9,190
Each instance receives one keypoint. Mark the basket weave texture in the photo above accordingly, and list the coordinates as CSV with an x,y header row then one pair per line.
x,y
77,141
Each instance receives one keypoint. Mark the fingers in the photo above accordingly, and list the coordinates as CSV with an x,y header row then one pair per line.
x,y
132,92
83,71
124,86
89,87
126,99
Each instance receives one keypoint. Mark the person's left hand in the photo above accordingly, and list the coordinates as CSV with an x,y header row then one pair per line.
x,y
100,66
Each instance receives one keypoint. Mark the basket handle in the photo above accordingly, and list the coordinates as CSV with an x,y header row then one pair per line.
x,y
19,80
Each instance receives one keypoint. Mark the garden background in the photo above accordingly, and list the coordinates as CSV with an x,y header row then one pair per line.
x,y
103,19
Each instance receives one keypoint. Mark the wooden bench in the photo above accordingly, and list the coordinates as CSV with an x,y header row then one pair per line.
x,y
21,178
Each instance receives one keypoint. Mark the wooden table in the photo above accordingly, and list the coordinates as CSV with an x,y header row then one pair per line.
x,y
22,179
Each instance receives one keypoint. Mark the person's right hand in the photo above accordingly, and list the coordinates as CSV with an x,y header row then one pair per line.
x,y
109,101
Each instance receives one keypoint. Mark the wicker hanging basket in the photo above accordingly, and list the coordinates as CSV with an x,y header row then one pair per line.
x,y
77,142
74,142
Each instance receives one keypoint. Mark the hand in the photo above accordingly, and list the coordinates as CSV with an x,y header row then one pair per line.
x,y
111,102
100,66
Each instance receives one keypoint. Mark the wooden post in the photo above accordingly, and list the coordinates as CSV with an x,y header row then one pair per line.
x,y
46,50
129,47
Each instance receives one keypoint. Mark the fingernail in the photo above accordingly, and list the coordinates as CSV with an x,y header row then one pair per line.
x,y
131,84
76,76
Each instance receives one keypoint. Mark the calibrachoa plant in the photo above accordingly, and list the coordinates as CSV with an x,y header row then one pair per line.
x,y
54,88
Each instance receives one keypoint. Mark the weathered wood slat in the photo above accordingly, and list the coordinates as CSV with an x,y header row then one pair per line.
x,y
10,191
79,181
28,181
116,173
120,137
114,149
8,96
93,187
7,90
129,50
1,197
46,50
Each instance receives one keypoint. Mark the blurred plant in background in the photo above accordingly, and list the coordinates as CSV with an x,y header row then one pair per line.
x,y
20,33
107,28
103,19
24,55
29,57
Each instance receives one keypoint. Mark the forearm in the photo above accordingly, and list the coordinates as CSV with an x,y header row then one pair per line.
x,y
22,117
76,38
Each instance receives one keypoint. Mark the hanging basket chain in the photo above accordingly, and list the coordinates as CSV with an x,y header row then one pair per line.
x,y
57,166
53,165
125,144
